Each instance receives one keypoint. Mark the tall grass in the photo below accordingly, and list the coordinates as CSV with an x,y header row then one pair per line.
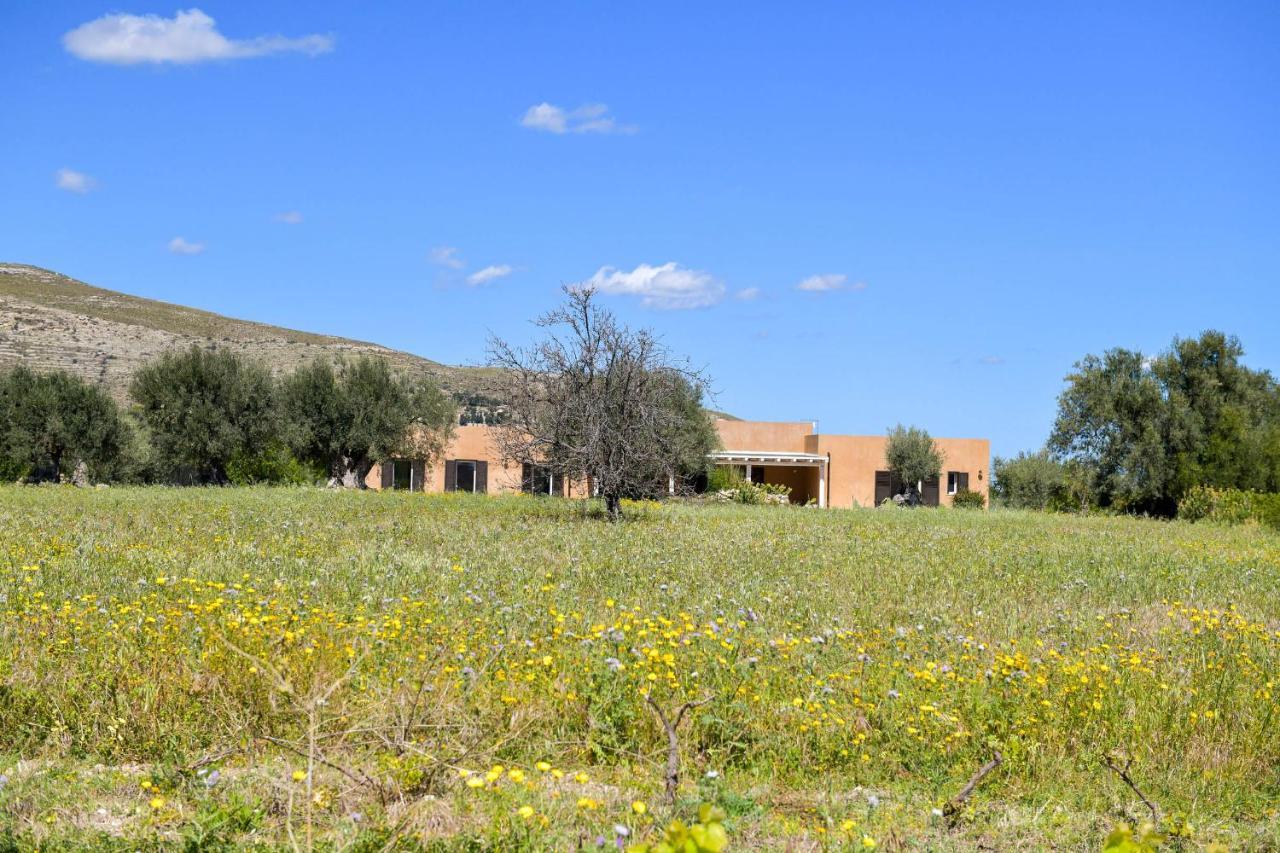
x,y
495,671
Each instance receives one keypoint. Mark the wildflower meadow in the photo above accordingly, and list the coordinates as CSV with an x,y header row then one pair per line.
x,y
304,668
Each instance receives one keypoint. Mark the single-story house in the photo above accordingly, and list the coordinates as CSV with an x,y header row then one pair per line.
x,y
830,470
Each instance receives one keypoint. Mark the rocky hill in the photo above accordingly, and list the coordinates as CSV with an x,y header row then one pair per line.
x,y
51,322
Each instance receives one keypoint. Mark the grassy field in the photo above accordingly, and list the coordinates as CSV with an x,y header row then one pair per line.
x,y
371,671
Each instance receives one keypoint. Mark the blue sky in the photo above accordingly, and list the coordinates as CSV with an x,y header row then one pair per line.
x,y
973,196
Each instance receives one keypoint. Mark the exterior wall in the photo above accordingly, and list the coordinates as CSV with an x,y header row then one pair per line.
x,y
763,435
473,441
802,480
856,458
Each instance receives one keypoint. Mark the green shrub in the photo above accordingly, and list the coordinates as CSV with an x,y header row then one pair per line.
x,y
271,465
12,470
722,477
968,499
1230,506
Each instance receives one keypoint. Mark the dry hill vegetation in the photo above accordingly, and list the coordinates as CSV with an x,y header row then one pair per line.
x,y
51,322
217,667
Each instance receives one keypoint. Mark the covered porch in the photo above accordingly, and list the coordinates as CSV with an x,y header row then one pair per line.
x,y
804,473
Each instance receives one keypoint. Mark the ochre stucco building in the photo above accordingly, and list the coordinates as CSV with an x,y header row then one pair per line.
x,y
829,470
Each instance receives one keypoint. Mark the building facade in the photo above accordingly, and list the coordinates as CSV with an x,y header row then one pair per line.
x,y
827,470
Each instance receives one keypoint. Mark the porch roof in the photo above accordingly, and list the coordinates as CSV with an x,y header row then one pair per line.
x,y
766,457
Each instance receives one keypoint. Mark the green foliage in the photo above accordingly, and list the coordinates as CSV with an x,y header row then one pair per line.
x,y
708,835
432,618
273,464
344,418
968,499
49,423
1029,481
722,477
1146,430
202,408
755,494
913,456
1123,839
1230,506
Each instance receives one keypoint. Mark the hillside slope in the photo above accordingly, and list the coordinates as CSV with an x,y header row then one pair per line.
x,y
49,321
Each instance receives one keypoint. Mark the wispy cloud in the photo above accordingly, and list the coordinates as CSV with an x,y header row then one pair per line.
x,y
747,294
488,274
991,360
447,256
187,37
183,246
75,182
829,281
669,286
289,217
588,118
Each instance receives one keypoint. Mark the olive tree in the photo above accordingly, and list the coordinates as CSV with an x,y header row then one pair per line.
x,y
597,402
52,423
346,417
204,407
913,457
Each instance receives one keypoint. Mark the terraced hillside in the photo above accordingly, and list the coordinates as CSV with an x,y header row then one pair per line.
x,y
50,321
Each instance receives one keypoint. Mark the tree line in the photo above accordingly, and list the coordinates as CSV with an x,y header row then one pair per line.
x,y
594,402
211,416
1137,434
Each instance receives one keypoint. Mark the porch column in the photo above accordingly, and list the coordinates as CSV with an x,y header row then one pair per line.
x,y
671,484
748,472
822,484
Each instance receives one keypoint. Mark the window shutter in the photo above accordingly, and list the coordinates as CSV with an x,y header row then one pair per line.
x,y
419,475
451,475
929,497
388,474
964,481
482,476
526,477
884,485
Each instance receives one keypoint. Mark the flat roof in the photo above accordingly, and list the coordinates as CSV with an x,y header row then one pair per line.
x,y
766,456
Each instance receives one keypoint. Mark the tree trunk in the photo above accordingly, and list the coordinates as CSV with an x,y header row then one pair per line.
x,y
613,507
357,472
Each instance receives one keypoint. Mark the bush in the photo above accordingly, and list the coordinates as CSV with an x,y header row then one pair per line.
x,y
1230,506
756,494
968,499
272,465
1029,481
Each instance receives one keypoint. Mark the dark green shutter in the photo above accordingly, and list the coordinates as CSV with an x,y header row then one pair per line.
x,y
884,490
451,475
482,476
963,484
929,495
388,474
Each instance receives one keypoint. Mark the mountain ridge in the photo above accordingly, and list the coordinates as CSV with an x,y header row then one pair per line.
x,y
51,321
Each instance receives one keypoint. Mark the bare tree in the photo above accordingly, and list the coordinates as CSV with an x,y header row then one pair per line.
x,y
596,401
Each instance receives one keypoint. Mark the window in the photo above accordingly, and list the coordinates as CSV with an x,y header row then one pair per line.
x,y
957,481
402,474
466,477
537,480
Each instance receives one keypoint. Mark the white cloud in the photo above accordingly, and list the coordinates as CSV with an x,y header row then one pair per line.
x,y
289,217
991,360
669,286
829,281
182,246
489,274
75,182
447,256
588,118
747,294
187,37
